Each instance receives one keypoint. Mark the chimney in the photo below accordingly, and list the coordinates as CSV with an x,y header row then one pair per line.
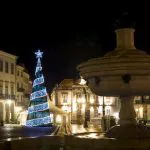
x,y
125,38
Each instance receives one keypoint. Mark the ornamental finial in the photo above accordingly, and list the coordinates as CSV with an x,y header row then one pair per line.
x,y
39,54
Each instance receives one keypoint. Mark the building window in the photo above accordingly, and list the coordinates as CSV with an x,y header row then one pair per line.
x,y
1,87
12,88
146,98
108,100
21,98
12,68
17,98
96,99
17,85
88,96
1,66
137,98
6,67
80,98
96,112
78,95
107,110
92,99
64,97
17,73
22,85
6,87
21,74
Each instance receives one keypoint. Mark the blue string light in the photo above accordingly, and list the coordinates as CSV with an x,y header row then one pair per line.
x,y
38,81
40,107
38,121
38,112
38,94
38,56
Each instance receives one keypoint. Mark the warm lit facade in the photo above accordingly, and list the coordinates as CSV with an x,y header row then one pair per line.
x,y
74,98
23,90
24,87
8,87
142,107
69,95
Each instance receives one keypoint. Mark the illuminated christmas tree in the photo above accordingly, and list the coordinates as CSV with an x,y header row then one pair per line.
x,y
38,111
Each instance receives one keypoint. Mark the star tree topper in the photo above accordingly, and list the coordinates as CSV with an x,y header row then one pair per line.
x,y
39,54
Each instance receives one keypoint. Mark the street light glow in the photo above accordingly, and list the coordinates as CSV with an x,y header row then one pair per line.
x,y
9,102
18,109
82,81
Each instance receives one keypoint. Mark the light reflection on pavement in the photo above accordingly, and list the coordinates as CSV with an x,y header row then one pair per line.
x,y
9,132
80,129
91,135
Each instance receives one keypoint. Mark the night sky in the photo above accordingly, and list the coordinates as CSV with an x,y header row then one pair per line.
x,y
67,38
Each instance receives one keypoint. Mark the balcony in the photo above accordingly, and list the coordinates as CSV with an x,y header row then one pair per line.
x,y
144,101
20,90
13,97
19,103
93,104
7,96
27,95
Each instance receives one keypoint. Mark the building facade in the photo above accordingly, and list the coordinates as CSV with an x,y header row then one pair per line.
x,y
24,87
23,91
10,95
75,99
142,108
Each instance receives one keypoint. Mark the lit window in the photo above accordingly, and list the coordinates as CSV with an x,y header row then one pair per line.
x,y
79,98
21,98
92,99
108,100
12,88
137,97
17,85
96,112
147,97
6,67
1,86
12,68
1,66
6,87
22,85
64,97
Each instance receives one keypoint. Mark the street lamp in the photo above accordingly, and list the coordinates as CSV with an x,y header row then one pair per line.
x,y
86,119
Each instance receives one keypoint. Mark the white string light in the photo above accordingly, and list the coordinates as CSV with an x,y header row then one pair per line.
x,y
38,94
40,107
43,116
38,121
38,81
